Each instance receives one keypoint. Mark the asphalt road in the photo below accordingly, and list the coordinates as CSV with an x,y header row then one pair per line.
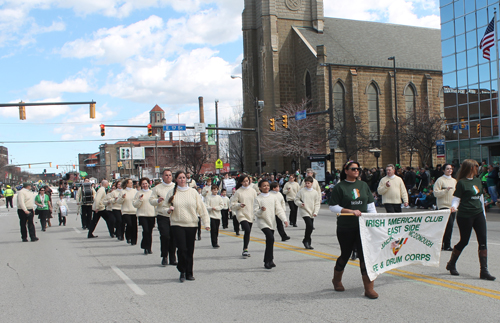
x,y
66,277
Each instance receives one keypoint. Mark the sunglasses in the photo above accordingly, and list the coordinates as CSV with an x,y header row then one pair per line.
x,y
355,169
42,190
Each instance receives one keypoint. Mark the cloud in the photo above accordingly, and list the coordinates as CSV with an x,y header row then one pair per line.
x,y
50,89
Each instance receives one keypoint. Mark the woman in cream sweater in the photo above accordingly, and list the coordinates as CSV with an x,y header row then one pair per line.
x,y
146,214
129,211
443,191
291,189
242,203
184,206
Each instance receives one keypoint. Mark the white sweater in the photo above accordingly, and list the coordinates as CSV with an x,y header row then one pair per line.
x,y
144,208
127,202
443,195
161,190
225,202
281,201
310,200
290,190
315,187
267,218
187,206
214,201
395,193
99,200
243,196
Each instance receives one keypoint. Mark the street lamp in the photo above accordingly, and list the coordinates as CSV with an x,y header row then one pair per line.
x,y
376,153
393,59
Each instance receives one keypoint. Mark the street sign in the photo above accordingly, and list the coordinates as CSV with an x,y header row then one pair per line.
x,y
334,143
157,169
440,152
199,127
219,164
300,115
174,127
90,165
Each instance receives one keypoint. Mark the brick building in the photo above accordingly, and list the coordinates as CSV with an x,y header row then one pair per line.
x,y
289,47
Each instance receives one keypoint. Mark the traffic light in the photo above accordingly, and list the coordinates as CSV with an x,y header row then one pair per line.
x,y
29,165
22,112
57,166
285,121
103,131
50,164
92,110
478,128
272,124
150,130
74,166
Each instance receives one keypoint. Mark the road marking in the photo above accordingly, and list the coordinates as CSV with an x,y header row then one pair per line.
x,y
77,231
396,272
136,289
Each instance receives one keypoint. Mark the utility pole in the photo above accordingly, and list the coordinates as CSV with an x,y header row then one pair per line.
x,y
217,125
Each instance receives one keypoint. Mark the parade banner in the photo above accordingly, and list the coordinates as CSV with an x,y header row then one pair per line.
x,y
392,240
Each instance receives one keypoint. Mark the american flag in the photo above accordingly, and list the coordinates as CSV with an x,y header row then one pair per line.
x,y
488,39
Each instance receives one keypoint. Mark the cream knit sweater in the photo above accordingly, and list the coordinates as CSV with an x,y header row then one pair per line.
x,y
114,199
108,201
214,201
290,190
25,200
315,187
187,207
206,190
243,196
127,202
443,195
310,199
144,208
225,202
267,218
281,201
395,193
161,190
99,200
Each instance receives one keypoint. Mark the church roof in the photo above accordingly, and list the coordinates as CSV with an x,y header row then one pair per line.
x,y
365,43
157,108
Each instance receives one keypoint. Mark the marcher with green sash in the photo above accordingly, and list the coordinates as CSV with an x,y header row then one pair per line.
x,y
43,207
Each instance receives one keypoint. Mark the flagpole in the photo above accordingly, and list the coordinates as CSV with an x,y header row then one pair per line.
x,y
498,72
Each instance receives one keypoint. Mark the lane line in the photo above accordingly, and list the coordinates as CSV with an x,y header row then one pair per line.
x,y
491,293
77,231
136,289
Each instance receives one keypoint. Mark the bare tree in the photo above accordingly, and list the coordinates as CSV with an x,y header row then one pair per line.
x,y
233,145
302,137
194,153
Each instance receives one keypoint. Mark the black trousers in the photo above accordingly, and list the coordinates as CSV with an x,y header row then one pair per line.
x,y
147,223
280,227
236,225
26,220
465,225
349,238
130,221
43,215
225,218
96,216
214,231
199,228
167,241
118,223
309,228
184,239
393,208
269,253
109,217
247,227
449,229
8,200
86,216
62,219
293,212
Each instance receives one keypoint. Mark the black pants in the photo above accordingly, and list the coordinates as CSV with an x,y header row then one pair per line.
x,y
214,231
225,218
86,216
8,200
147,223
43,215
247,227
118,223
130,228
268,254
309,228
167,241
465,225
393,208
184,239
26,220
349,238
449,229
293,212
199,228
280,228
109,217
236,225
96,216
62,219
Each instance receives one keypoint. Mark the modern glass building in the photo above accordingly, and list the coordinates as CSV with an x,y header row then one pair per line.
x,y
470,81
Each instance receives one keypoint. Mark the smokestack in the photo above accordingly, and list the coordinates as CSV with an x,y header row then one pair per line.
x,y
171,136
202,118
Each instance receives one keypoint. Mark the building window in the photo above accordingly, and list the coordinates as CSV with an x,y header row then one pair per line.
x,y
373,116
308,86
410,102
339,103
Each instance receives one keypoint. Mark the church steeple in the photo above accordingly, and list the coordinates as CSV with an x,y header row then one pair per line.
x,y
156,116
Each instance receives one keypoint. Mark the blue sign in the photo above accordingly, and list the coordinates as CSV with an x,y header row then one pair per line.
x,y
90,165
440,151
300,115
174,127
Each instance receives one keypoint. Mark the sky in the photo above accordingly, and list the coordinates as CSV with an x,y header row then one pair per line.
x,y
128,56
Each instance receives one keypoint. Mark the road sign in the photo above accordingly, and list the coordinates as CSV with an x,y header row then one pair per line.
x,y
174,127
90,165
199,127
440,153
300,115
219,164
334,143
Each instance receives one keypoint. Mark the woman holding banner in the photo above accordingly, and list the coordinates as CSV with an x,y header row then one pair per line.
x,y
468,200
351,197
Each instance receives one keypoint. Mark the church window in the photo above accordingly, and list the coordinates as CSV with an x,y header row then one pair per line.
x,y
410,102
339,104
373,116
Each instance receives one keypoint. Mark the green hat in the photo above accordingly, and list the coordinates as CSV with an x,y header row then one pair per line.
x,y
327,187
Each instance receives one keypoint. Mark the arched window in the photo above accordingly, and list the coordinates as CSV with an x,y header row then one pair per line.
x,y
410,102
339,104
373,116
308,86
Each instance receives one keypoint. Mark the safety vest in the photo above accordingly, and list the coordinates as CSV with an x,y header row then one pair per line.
x,y
9,192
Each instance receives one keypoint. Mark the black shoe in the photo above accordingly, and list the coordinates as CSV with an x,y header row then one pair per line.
x,y
285,238
133,244
267,265
199,237
182,278
120,239
216,246
164,261
294,225
272,264
25,240
43,230
237,233
90,236
448,249
84,228
112,235
34,239
129,241
173,263
189,277
145,252
149,251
